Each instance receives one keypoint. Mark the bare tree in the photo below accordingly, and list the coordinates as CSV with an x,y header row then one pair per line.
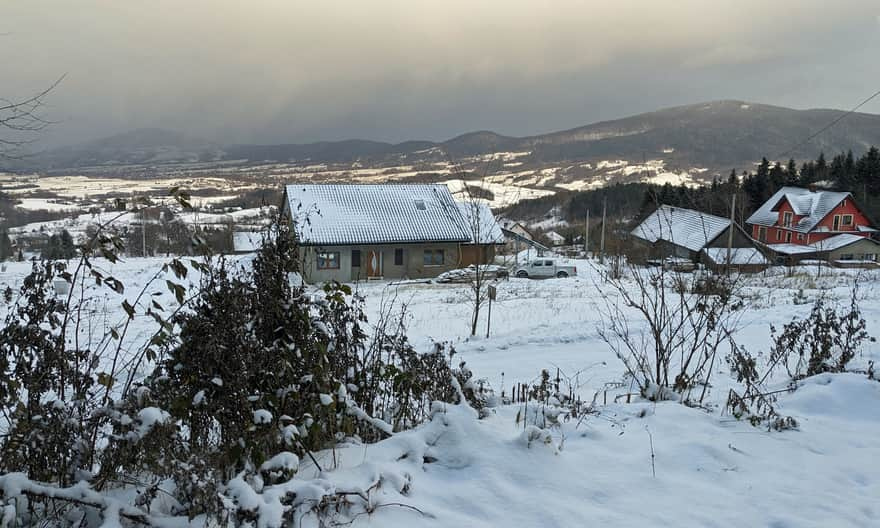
x,y
481,226
22,117
480,223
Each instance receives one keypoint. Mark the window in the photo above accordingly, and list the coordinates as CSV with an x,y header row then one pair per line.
x,y
788,237
778,235
548,262
836,223
786,219
538,263
433,257
847,220
420,205
398,257
846,256
328,260
355,258
800,236
762,234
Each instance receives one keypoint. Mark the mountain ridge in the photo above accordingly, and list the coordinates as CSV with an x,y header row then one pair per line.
x,y
715,135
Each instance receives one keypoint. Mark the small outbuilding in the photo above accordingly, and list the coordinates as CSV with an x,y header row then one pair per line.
x,y
843,250
743,260
676,232
244,242
555,238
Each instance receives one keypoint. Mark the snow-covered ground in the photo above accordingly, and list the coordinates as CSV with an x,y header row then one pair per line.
x,y
711,470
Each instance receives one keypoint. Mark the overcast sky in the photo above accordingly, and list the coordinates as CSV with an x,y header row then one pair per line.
x,y
276,71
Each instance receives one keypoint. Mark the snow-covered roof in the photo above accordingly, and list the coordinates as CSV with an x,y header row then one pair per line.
x,y
343,214
738,256
812,205
683,227
838,241
791,249
829,244
554,236
246,241
480,221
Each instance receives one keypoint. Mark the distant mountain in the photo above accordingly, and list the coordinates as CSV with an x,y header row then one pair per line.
x,y
707,137
138,147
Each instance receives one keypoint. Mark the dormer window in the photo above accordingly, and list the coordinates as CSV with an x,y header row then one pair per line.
x,y
786,219
420,205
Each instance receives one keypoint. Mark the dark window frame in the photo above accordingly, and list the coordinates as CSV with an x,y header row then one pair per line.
x,y
324,256
430,257
398,256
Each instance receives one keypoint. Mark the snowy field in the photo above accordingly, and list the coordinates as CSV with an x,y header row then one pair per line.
x,y
709,469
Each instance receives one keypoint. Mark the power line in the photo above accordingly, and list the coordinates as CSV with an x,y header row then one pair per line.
x,y
838,119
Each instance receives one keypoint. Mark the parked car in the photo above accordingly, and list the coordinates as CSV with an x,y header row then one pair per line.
x,y
543,268
468,274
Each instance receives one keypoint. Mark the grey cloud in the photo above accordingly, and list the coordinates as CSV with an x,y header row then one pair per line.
x,y
277,71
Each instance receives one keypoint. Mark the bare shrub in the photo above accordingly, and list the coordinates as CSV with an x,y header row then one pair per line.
x,y
755,403
671,344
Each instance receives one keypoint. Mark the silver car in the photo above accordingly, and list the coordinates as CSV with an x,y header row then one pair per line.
x,y
543,268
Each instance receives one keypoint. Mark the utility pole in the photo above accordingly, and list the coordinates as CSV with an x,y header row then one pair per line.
x,y
602,236
587,236
730,230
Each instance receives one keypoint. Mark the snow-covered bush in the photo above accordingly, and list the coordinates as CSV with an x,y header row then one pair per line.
x,y
825,341
252,375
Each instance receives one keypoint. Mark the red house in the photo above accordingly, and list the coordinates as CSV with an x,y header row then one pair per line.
x,y
795,215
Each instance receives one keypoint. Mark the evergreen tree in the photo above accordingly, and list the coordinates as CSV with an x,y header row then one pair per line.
x,y
791,173
5,245
849,164
68,248
868,171
777,177
59,247
732,180
808,173
821,168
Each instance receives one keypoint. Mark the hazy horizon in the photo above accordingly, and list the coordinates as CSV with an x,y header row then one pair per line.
x,y
299,72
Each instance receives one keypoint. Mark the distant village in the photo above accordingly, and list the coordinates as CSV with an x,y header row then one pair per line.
x,y
351,232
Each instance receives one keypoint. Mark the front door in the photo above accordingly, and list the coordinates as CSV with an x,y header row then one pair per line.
x,y
374,264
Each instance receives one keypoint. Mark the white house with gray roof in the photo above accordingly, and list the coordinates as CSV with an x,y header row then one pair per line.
x,y
350,232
